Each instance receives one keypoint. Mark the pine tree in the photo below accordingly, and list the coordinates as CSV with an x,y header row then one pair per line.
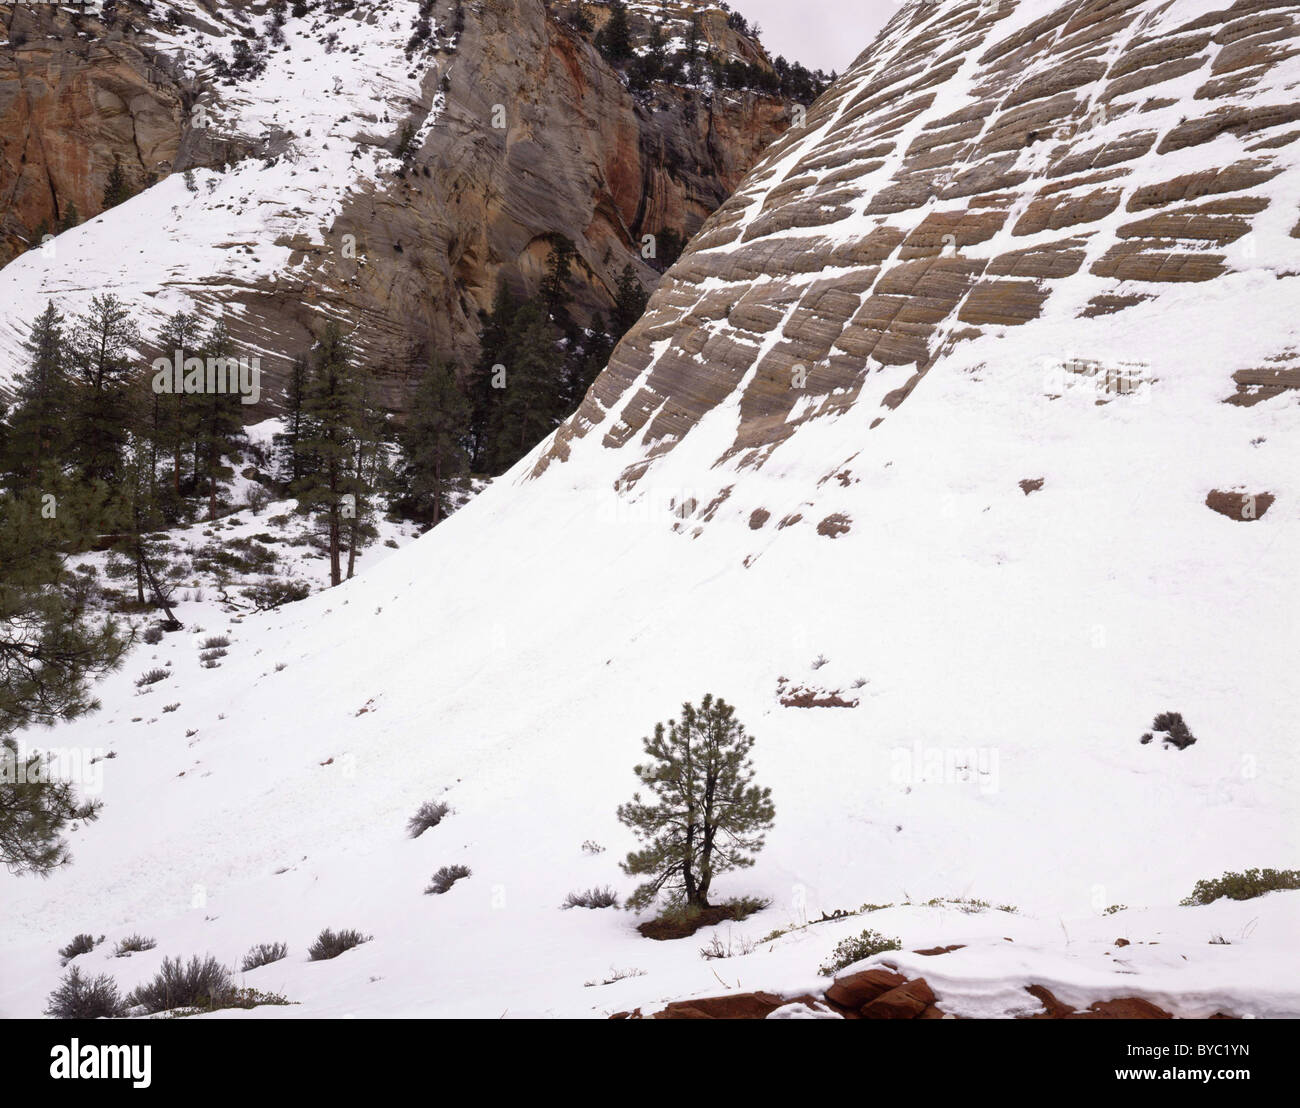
x,y
486,400
433,454
102,340
369,471
530,400
332,416
694,61
288,456
70,218
630,300
138,511
116,188
709,816
50,650
554,292
614,40
585,361
42,401
171,421
220,426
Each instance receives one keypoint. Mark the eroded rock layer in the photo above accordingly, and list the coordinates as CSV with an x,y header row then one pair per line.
x,y
295,207
982,169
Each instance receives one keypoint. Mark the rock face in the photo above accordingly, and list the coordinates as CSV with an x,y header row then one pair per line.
x,y
880,994
1047,177
519,131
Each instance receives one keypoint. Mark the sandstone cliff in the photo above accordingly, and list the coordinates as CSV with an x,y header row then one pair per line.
x,y
1068,171
294,204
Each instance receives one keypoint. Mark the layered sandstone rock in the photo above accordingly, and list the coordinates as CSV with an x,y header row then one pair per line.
x,y
983,169
879,993
522,132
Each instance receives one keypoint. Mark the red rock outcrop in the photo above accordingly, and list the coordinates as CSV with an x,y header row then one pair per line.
x,y
880,993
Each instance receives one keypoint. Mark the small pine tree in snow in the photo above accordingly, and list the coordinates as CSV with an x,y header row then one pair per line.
x,y
709,816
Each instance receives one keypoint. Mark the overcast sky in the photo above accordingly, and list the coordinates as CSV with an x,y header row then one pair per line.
x,y
819,33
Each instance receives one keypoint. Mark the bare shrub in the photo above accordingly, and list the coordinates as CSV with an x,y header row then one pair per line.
x,y
263,954
592,898
80,998
430,814
446,877
133,944
202,983
330,944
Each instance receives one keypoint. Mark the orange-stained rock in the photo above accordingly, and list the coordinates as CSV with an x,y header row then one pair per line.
x,y
858,989
1119,1008
903,1003
1241,506
1122,1008
735,1006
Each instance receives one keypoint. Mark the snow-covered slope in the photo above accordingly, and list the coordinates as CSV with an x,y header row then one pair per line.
x,y
325,106
1002,650
382,164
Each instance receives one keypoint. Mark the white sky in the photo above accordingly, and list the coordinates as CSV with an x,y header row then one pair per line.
x,y
828,34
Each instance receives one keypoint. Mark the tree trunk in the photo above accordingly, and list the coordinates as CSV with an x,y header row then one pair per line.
x,y
352,546
437,488
335,574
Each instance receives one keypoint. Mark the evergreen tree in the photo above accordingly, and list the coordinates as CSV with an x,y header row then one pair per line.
x,y
70,218
433,454
585,362
288,456
333,412
614,40
49,651
102,339
694,58
554,292
369,471
709,817
486,400
42,401
116,188
529,406
220,425
171,422
630,300
138,512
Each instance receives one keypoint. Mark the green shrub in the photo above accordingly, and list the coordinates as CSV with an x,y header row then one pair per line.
x,y
272,592
330,944
78,998
1172,730
1243,886
856,948
151,677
